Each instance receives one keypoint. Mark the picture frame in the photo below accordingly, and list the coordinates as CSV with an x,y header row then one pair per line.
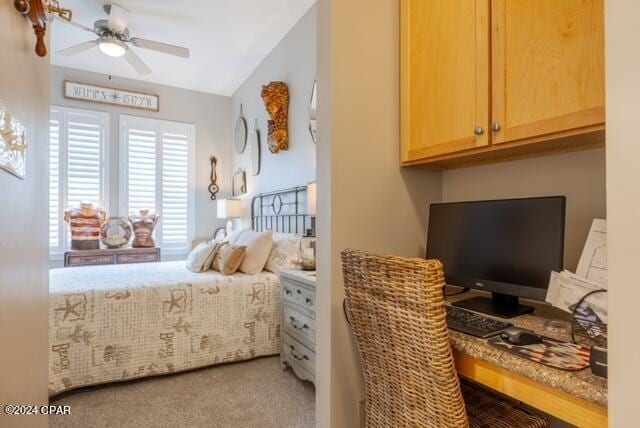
x,y
313,106
239,184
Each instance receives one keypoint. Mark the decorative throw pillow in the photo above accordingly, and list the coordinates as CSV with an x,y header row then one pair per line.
x,y
234,235
258,249
200,258
285,252
229,258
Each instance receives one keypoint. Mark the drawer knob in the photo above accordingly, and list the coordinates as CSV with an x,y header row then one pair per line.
x,y
495,127
287,291
308,300
295,355
479,130
296,326
299,292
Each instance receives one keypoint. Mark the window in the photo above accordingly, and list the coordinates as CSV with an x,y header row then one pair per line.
x,y
156,172
77,170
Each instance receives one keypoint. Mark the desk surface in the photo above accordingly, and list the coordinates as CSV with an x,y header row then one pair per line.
x,y
582,384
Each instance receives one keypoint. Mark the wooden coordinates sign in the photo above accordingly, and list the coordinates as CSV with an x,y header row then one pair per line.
x,y
100,94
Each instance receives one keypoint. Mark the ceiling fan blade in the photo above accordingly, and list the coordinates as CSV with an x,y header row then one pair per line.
x,y
75,49
74,24
118,17
136,62
160,47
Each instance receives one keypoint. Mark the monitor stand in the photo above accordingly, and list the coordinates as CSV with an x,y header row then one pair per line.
x,y
499,305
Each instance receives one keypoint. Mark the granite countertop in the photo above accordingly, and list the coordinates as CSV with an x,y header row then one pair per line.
x,y
582,383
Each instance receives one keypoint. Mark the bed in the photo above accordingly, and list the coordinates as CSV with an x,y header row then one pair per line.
x,y
122,322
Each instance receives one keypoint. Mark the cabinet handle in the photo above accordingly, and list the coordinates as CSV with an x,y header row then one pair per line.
x,y
299,291
287,291
296,326
495,127
294,355
308,300
479,130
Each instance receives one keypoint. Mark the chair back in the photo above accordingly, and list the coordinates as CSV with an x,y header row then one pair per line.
x,y
395,306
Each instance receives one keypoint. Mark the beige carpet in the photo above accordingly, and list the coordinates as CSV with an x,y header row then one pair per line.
x,y
255,393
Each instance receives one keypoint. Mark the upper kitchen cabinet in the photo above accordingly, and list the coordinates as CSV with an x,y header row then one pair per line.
x,y
547,62
445,77
488,80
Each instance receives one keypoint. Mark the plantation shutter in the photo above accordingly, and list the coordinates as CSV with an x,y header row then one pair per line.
x,y
141,169
77,154
84,159
157,175
54,179
175,185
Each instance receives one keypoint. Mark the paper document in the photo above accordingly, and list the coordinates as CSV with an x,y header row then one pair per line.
x,y
566,289
593,261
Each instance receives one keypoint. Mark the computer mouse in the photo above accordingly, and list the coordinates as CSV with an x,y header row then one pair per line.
x,y
520,336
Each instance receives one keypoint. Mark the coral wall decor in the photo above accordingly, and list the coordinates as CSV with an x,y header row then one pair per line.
x,y
276,100
13,145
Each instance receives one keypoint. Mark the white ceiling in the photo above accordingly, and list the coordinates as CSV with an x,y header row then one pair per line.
x,y
228,39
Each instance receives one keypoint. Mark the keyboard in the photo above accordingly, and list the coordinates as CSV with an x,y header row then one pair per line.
x,y
474,324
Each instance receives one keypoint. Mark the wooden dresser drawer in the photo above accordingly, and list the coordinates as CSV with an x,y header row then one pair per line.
x,y
299,325
137,258
110,256
89,260
298,338
299,356
299,295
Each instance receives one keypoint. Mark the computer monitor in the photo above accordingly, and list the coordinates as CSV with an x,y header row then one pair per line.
x,y
508,247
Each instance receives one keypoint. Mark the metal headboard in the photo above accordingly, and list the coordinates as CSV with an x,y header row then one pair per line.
x,y
283,211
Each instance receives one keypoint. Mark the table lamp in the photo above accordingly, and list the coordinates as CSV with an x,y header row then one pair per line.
x,y
312,209
229,209
308,242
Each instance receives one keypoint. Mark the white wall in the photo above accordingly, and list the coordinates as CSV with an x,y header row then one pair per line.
x,y
24,91
365,200
623,207
580,176
293,61
210,113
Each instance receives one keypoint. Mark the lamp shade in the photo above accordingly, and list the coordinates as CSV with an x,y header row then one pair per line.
x,y
311,198
229,208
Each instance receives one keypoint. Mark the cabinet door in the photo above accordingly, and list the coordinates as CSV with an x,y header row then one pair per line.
x,y
547,68
444,77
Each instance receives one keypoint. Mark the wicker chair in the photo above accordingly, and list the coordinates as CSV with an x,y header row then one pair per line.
x,y
395,306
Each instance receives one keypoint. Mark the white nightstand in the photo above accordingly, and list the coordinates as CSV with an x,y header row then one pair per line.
x,y
299,323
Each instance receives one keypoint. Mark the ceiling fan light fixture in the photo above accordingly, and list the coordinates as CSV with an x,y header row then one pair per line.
x,y
112,47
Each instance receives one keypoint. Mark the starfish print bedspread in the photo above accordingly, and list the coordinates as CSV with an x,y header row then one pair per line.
x,y
121,322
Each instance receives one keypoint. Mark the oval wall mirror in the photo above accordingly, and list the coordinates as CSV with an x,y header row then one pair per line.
x,y
240,134
255,149
313,127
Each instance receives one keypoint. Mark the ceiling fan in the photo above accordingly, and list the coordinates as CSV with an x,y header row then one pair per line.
x,y
114,40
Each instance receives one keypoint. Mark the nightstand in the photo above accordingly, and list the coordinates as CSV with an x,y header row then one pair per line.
x,y
299,323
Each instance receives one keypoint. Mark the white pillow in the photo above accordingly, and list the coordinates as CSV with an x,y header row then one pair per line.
x,y
200,258
258,249
233,236
285,252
